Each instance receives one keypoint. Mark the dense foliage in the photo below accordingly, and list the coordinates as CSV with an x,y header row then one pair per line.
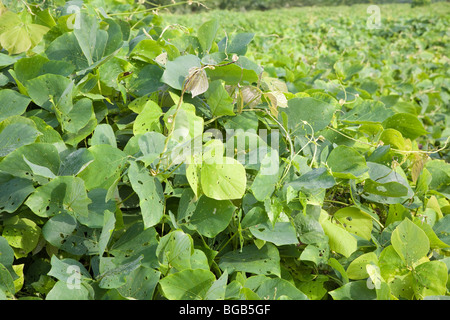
x,y
128,140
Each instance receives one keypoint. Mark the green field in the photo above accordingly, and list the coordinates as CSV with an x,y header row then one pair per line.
x,y
296,153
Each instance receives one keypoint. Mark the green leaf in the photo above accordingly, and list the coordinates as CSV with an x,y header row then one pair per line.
x,y
136,241
106,168
15,132
357,268
114,276
140,284
345,162
355,221
175,250
339,239
12,103
207,33
44,154
283,233
13,193
7,253
6,282
148,119
104,134
318,178
410,242
178,69
219,101
316,113
274,289
62,292
430,279
388,189
68,270
22,234
189,284
64,232
223,181
61,195
211,216
408,124
150,192
265,261
355,290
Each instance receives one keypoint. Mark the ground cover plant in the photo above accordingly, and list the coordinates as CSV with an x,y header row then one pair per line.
x,y
288,154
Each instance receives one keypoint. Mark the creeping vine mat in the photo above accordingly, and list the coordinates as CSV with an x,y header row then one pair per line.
x,y
290,154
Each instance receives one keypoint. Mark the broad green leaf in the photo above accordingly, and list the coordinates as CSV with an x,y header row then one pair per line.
x,y
393,138
355,221
218,288
388,189
22,234
114,276
435,242
355,290
104,134
366,112
232,74
318,178
410,242
391,264
146,50
274,289
12,103
140,284
283,233
148,119
408,124
106,168
15,132
175,250
339,239
237,44
74,161
314,289
357,268
266,179
345,162
315,112
18,36
150,192
220,103
61,195
13,193
68,270
134,242
189,284
6,282
265,261
107,230
51,92
223,181
61,291
440,173
64,232
383,176
207,33
211,216
178,69
151,144
7,253
44,154
442,229
430,279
